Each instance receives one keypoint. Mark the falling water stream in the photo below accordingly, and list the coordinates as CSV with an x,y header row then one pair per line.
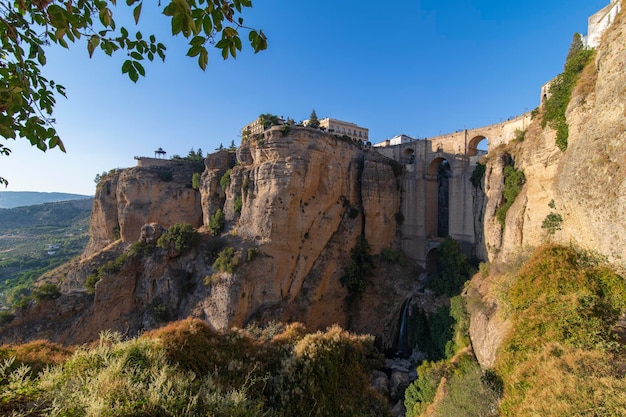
x,y
403,341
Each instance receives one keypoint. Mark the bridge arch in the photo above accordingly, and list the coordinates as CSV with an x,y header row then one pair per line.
x,y
438,197
408,156
477,145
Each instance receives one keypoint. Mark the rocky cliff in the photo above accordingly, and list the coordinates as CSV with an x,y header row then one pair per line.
x,y
295,201
585,184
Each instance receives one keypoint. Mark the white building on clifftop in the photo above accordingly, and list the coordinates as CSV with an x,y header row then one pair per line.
x,y
599,22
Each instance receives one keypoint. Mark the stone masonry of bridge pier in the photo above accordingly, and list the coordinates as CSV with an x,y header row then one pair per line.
x,y
420,207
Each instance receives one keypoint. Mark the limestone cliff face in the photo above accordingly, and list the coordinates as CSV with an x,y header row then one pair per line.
x,y
305,198
585,185
295,203
127,199
586,182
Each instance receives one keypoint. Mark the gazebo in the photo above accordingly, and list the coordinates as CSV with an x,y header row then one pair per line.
x,y
159,153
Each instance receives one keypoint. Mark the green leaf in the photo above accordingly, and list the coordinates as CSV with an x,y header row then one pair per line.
x,y
105,17
207,25
132,74
126,66
203,59
177,24
136,55
197,40
137,12
140,69
92,44
41,57
194,50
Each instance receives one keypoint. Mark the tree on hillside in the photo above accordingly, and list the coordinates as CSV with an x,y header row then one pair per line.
x,y
27,27
268,120
313,120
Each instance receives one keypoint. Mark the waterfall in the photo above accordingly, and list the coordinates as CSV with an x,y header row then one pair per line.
x,y
403,341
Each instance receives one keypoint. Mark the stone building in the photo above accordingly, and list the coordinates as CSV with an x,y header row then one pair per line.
x,y
599,22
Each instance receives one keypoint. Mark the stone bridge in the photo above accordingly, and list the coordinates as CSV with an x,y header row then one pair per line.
x,y
437,195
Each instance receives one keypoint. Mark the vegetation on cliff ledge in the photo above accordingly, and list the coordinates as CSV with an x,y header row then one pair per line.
x,y
561,90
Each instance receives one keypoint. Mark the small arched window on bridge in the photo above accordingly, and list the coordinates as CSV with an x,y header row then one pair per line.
x,y
478,146
408,156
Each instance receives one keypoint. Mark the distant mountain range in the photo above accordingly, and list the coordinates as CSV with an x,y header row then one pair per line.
x,y
11,199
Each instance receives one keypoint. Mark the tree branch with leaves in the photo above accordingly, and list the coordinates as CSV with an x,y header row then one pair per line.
x,y
28,27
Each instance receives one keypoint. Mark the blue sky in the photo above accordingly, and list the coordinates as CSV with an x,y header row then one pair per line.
x,y
420,68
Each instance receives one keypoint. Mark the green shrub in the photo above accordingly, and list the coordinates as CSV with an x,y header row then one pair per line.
x,y
227,261
453,268
111,267
285,129
181,236
46,291
561,90
195,180
564,305
354,275
140,249
477,175
216,223
225,180
252,253
421,392
469,392
90,283
552,223
238,204
188,369
393,256
513,181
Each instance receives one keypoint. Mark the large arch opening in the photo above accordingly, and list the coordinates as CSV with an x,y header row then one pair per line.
x,y
479,145
438,198
408,156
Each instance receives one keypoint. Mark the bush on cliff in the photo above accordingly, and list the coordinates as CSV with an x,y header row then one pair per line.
x,y
562,356
561,90
188,369
181,237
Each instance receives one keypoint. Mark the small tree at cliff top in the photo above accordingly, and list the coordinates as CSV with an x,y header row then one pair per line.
x,y
313,120
28,27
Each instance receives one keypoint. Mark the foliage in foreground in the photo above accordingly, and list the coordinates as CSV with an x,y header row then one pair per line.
x,y
470,391
27,97
187,369
564,305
